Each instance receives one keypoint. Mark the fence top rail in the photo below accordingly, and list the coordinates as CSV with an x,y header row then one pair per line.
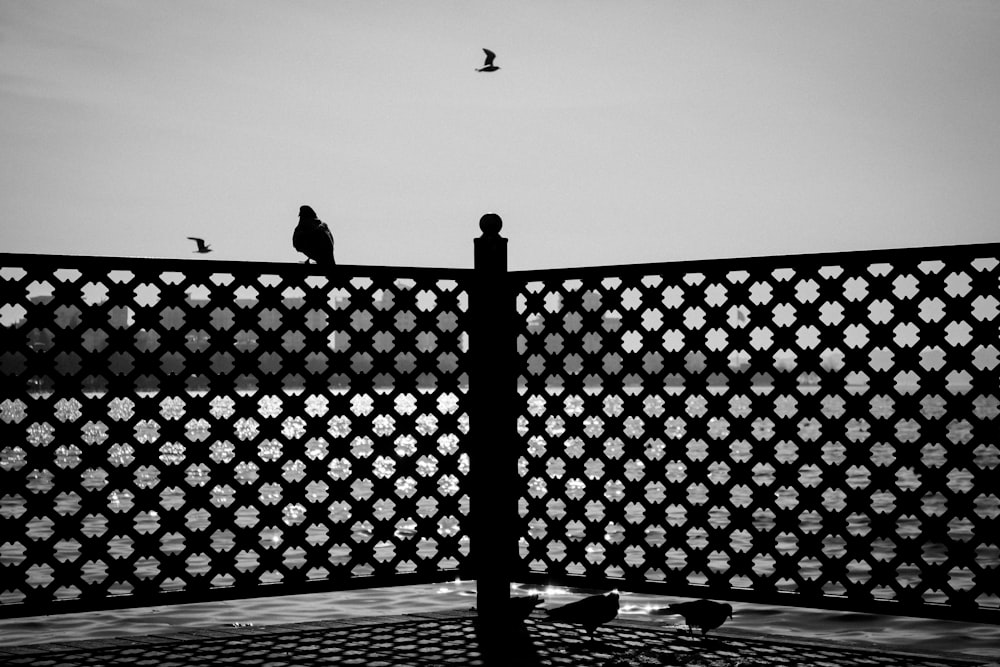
x,y
847,258
31,260
28,260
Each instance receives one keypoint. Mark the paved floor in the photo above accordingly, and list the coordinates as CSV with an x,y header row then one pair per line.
x,y
450,638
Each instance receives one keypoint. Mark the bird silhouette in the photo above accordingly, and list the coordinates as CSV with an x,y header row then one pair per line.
x,y
312,238
520,607
589,612
202,246
704,614
488,66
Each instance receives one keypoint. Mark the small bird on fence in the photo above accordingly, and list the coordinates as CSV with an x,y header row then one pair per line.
x,y
589,612
521,606
488,66
312,238
202,246
704,614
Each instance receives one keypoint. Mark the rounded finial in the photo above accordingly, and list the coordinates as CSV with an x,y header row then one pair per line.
x,y
490,224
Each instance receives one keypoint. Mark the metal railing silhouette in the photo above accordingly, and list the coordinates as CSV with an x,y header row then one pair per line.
x,y
817,430
177,431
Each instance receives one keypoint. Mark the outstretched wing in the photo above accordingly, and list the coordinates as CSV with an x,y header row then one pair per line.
x,y
202,246
489,58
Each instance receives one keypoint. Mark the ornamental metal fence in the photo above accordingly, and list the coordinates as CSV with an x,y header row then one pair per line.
x,y
819,430
176,431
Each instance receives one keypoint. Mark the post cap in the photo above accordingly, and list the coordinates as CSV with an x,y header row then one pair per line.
x,y
490,224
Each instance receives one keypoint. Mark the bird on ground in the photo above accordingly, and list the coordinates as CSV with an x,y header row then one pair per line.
x,y
521,606
704,614
202,246
488,66
589,612
312,238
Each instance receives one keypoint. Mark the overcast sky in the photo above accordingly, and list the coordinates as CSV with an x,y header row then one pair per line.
x,y
615,132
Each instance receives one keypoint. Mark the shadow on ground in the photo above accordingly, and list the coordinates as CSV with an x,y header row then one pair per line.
x,y
451,639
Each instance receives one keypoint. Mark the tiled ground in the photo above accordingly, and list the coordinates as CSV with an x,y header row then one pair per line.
x,y
451,639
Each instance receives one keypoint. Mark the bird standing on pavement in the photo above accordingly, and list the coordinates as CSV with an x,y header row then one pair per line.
x,y
704,614
589,612
312,238
521,606
488,66
202,246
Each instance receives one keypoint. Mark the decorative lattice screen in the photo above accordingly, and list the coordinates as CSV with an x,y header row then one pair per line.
x,y
189,427
823,425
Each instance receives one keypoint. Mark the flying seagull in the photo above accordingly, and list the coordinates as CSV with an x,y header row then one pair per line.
x,y
488,66
202,246
589,612
704,614
312,237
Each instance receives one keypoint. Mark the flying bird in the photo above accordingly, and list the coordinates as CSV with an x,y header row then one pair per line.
x,y
589,612
488,66
202,246
704,614
312,238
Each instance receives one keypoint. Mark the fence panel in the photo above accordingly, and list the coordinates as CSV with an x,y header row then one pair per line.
x,y
815,430
185,430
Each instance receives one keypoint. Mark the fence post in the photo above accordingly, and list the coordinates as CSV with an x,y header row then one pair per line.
x,y
492,425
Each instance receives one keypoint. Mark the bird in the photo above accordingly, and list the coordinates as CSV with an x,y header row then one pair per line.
x,y
521,606
202,246
704,614
312,238
488,66
589,612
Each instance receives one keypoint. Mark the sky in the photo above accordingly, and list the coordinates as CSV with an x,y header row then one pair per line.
x,y
614,132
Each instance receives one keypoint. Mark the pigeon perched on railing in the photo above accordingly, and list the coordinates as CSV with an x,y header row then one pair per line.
x,y
589,612
312,237
202,246
488,66
704,614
